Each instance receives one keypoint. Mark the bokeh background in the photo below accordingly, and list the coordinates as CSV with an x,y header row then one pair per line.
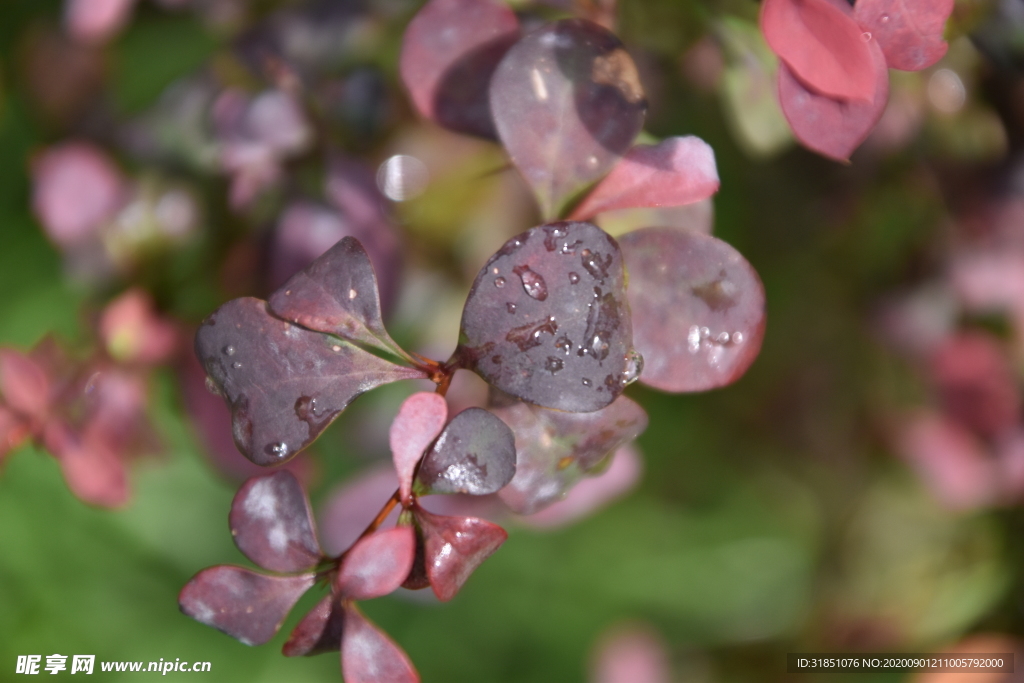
x,y
860,488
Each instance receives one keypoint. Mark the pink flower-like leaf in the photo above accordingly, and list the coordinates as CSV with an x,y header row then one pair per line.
x,y
272,524
674,172
420,419
369,656
909,31
377,564
454,547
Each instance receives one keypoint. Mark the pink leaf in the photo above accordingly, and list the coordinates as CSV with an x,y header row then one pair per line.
x,y
823,46
674,172
909,31
96,21
377,564
454,547
449,53
24,385
369,656
92,469
633,653
829,126
420,419
13,431
134,333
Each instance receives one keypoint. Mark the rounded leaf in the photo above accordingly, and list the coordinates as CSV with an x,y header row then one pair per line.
x,y
567,103
547,320
909,31
475,454
377,564
420,419
369,656
242,603
319,631
272,523
698,308
454,547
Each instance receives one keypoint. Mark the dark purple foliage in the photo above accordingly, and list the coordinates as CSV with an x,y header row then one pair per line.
x,y
319,631
475,454
453,547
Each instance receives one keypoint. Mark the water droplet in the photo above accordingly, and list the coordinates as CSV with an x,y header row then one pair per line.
x,y
693,339
574,278
495,270
564,344
885,18
352,294
570,249
866,36
594,264
499,282
553,364
280,449
634,367
533,283
229,350
212,387
236,365
288,292
586,382
722,338
511,307
554,232
528,336
496,360
336,348
737,337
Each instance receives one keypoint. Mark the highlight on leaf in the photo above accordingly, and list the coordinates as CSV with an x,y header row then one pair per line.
x,y
419,421
475,454
908,31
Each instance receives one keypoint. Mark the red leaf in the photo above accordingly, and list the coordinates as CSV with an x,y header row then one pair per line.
x,y
449,53
454,548
377,564
13,431
420,419
92,469
909,31
318,632
24,385
823,46
242,603
834,128
674,172
369,656
272,524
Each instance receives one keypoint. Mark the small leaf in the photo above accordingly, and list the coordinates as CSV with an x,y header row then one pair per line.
x,y
272,524
24,385
13,431
567,103
449,53
823,46
242,603
674,172
698,308
554,450
319,631
909,31
546,319
284,384
337,294
420,419
829,126
369,656
91,466
454,547
475,454
377,564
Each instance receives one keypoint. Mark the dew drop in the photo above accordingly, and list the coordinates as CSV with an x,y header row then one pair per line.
x,y
352,294
634,367
499,282
336,348
280,449
885,18
533,283
574,278
866,36
586,382
511,307
570,249
553,364
737,337
288,292
236,365
564,344
229,350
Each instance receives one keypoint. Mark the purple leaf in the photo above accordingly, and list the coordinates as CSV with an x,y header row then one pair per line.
x,y
475,454
674,172
284,384
449,53
832,127
554,450
319,631
337,294
420,419
272,524
377,564
454,547
369,656
567,103
909,31
697,306
546,319
242,603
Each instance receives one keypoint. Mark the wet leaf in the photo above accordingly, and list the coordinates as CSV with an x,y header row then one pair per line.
x,y
674,172
823,46
24,385
546,319
554,449
449,53
369,656
272,524
242,603
318,632
337,294
420,419
284,384
475,454
377,564
454,547
567,103
829,126
909,31
698,308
